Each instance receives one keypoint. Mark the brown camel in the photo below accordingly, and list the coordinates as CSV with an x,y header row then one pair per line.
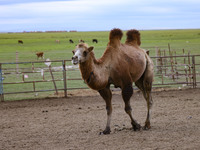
x,y
120,65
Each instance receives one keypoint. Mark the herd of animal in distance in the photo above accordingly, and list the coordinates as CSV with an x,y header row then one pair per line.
x,y
41,54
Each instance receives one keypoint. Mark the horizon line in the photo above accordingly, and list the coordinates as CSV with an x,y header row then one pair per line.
x,y
94,30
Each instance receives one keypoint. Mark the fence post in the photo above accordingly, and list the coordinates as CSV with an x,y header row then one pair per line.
x,y
158,60
194,72
54,83
64,78
17,65
1,85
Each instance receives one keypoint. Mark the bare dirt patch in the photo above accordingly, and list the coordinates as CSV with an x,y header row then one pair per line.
x,y
75,123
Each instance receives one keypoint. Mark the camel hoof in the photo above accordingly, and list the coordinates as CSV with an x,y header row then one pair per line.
x,y
136,127
147,126
106,131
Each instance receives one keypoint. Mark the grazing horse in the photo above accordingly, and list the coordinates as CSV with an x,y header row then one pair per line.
x,y
20,42
120,65
94,40
71,41
40,54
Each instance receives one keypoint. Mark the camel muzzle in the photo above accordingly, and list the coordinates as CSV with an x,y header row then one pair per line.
x,y
75,60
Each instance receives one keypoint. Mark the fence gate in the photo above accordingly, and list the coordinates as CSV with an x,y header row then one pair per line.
x,y
33,77
182,70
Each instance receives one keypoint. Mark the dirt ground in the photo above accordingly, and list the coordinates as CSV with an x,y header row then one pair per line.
x,y
74,123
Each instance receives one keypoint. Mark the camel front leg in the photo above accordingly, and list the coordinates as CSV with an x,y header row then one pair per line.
x,y
127,92
107,96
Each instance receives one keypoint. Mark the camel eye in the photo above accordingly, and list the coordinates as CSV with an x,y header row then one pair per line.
x,y
84,53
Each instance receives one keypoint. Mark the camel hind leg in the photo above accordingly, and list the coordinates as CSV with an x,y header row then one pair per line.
x,y
107,96
148,87
145,85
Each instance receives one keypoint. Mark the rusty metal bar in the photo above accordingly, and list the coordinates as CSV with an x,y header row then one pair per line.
x,y
33,81
64,78
34,86
54,83
23,77
186,76
33,91
154,57
194,72
1,85
169,49
32,67
176,83
189,58
34,62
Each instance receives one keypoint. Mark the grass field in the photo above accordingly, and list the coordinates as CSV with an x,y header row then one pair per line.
x,y
189,40
45,42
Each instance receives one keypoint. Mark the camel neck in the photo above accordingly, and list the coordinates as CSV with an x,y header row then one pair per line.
x,y
95,76
87,68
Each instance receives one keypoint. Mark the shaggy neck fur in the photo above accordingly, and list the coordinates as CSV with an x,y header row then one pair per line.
x,y
90,73
86,68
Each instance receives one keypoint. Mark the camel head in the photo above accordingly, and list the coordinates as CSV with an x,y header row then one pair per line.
x,y
81,53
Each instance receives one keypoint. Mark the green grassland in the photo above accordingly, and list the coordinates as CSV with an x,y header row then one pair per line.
x,y
189,40
45,42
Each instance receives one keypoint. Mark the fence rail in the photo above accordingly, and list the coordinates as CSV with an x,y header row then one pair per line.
x,y
46,76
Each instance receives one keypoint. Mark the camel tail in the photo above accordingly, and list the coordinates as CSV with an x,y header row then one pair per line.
x,y
133,37
115,37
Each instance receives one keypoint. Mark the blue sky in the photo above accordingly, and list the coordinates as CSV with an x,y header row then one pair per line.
x,y
97,15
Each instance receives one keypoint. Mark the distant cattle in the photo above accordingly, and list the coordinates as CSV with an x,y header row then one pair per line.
x,y
20,42
57,41
94,40
71,41
40,54
81,41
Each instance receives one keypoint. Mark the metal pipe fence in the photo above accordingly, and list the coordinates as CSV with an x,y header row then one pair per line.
x,y
60,76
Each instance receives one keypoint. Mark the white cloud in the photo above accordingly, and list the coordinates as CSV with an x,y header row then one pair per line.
x,y
59,6
78,9
91,14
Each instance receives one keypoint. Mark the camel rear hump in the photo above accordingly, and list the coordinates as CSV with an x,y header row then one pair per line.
x,y
133,37
115,37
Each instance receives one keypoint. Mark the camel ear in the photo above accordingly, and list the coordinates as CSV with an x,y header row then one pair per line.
x,y
90,48
147,52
